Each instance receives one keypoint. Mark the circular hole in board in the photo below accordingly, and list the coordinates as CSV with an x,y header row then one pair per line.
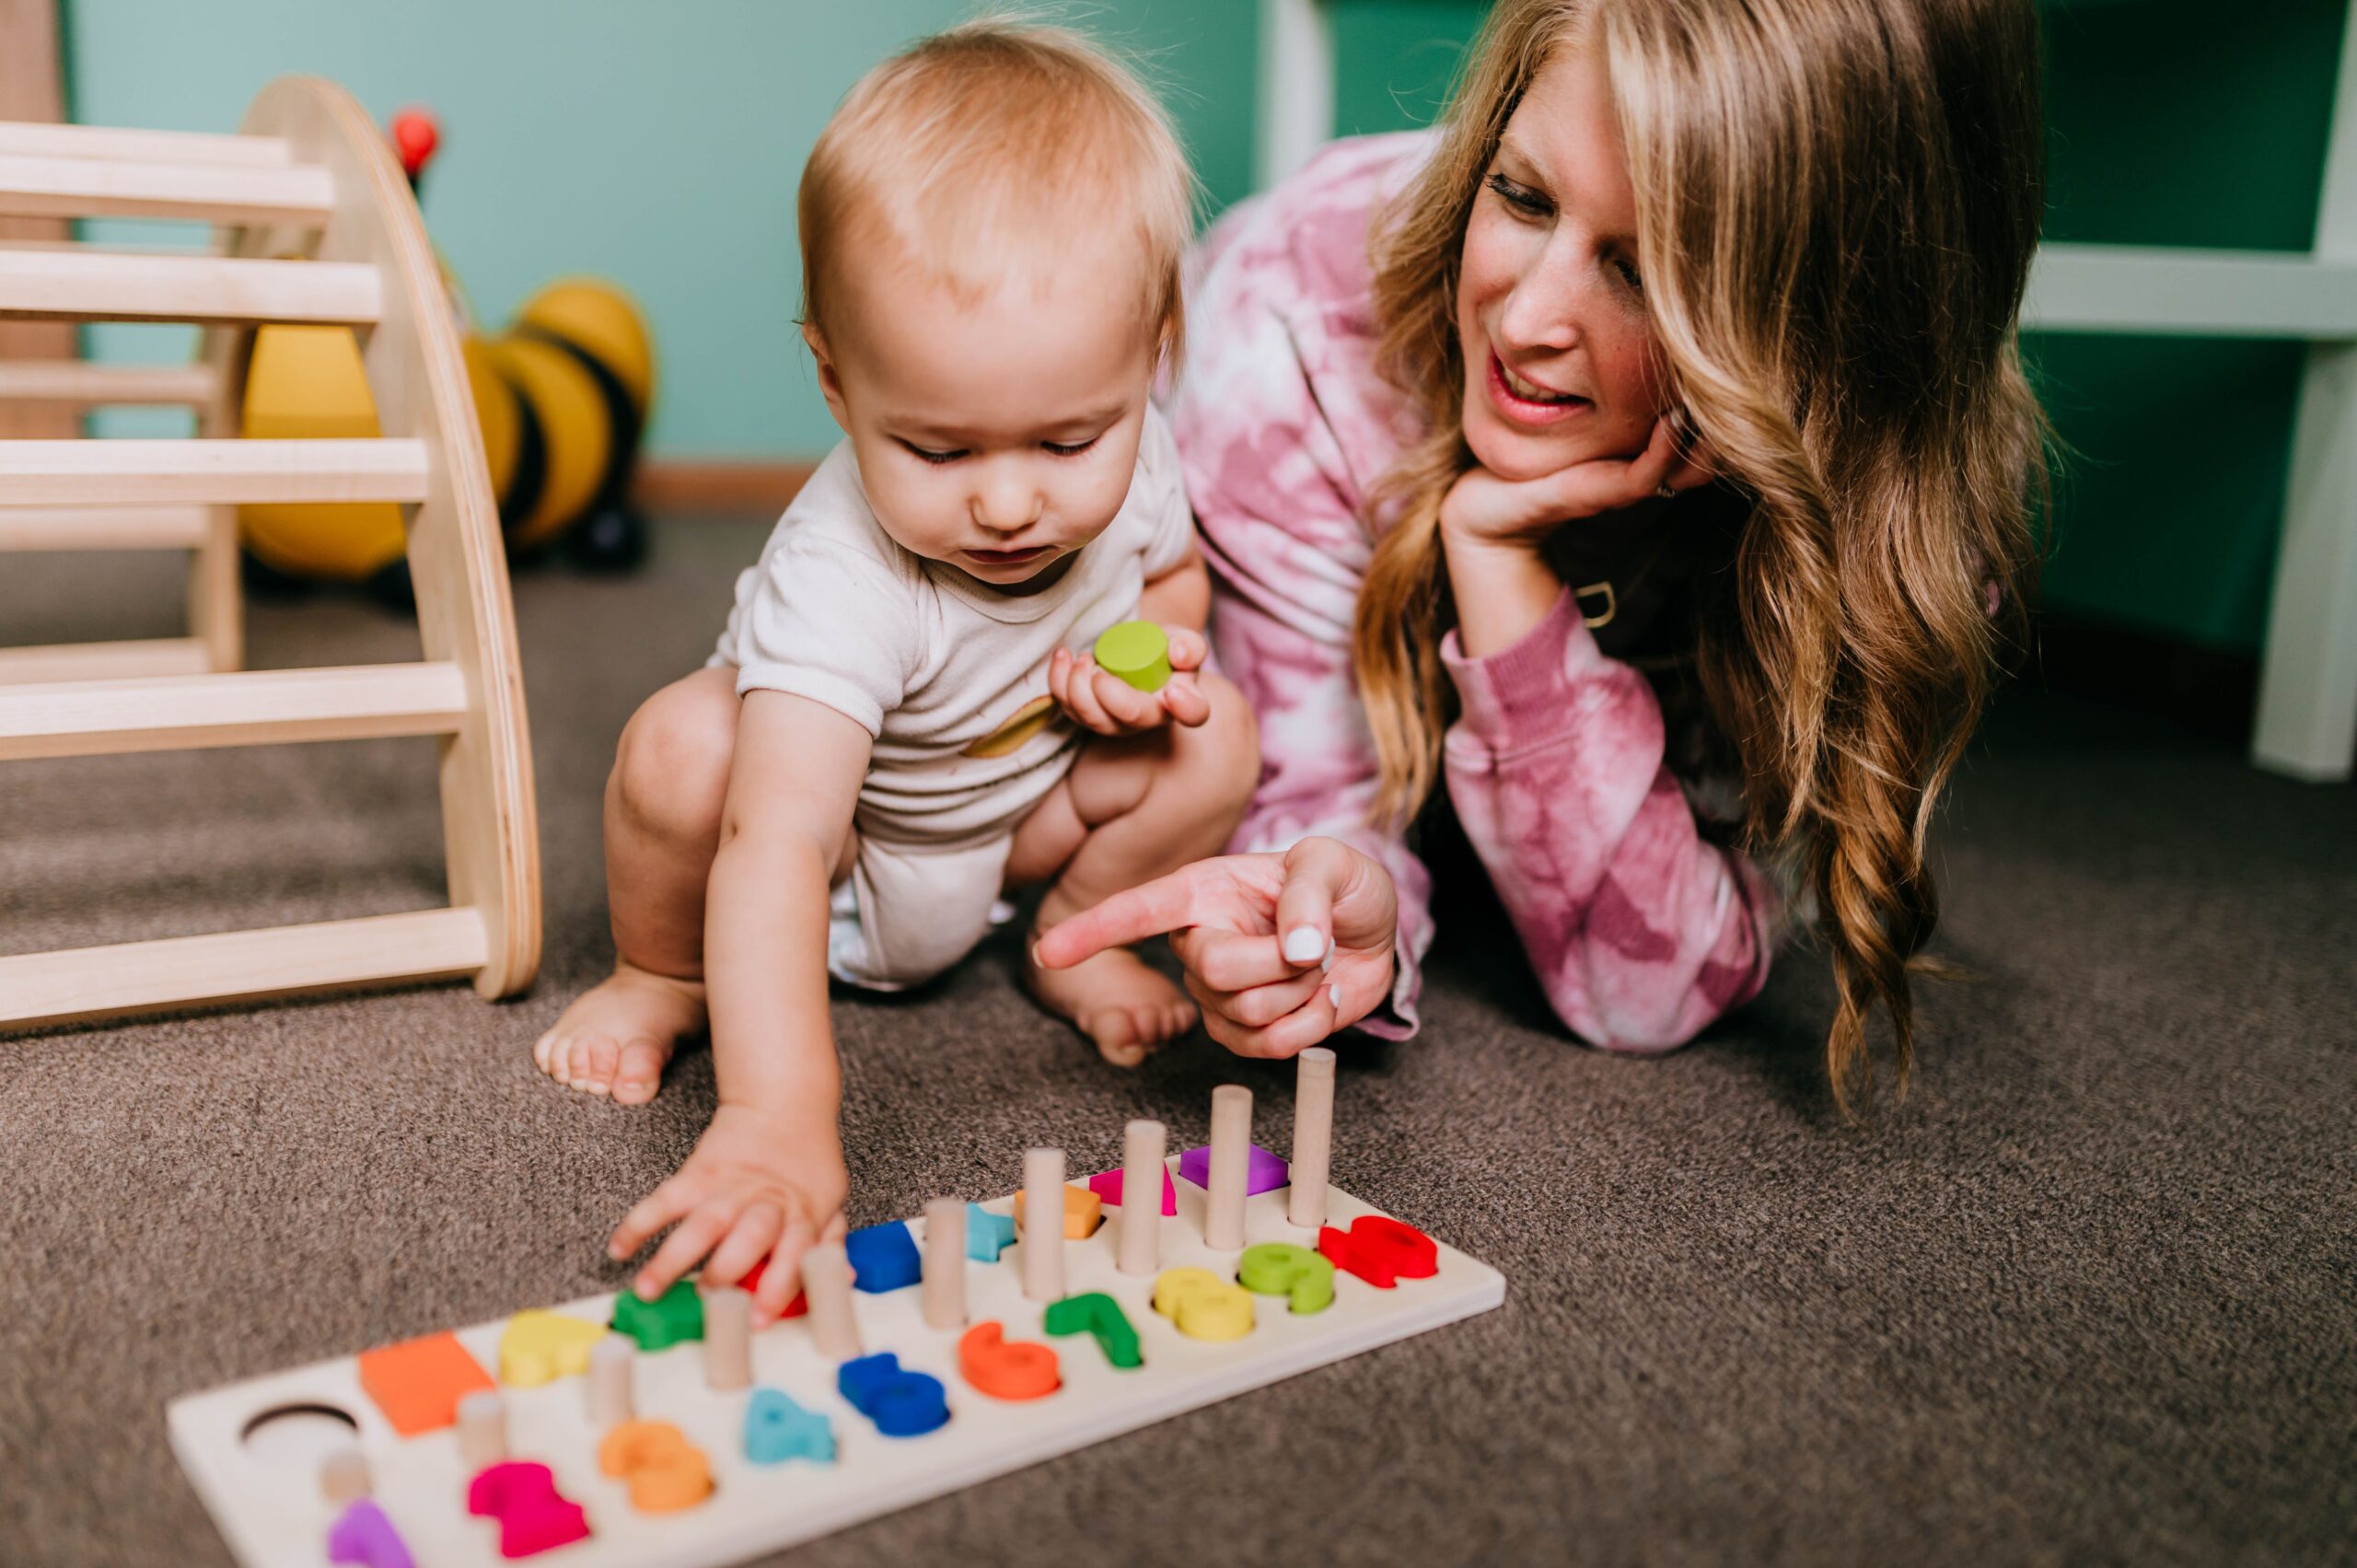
x,y
300,1435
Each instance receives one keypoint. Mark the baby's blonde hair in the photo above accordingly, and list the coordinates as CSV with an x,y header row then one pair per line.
x,y
985,136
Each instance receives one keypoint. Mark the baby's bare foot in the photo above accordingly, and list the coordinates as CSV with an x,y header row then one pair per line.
x,y
615,1039
1126,1007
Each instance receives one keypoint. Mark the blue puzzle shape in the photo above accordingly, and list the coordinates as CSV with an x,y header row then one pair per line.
x,y
776,1430
883,1257
901,1404
1263,1171
987,1235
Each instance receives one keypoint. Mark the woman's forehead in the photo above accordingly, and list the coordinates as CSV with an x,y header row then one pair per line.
x,y
1565,131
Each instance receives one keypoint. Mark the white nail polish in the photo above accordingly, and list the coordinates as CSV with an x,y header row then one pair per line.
x,y
1302,945
1334,995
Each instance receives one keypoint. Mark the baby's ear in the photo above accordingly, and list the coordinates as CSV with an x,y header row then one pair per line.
x,y
830,385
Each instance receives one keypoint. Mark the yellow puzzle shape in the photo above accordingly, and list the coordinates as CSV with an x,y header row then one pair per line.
x,y
1083,1211
1203,1305
540,1347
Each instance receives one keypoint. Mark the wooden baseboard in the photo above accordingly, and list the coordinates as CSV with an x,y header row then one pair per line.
x,y
689,487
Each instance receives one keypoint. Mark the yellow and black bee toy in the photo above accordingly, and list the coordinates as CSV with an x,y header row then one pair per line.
x,y
563,397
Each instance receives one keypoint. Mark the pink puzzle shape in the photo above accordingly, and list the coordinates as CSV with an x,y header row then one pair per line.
x,y
1107,1185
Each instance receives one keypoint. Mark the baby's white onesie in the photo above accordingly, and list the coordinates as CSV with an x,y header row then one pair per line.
x,y
934,665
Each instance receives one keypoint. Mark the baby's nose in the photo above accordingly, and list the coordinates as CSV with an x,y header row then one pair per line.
x,y
1007,502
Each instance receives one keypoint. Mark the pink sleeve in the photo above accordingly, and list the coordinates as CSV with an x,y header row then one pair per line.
x,y
1641,931
1318,764
1282,421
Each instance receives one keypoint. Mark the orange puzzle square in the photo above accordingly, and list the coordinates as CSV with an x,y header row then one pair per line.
x,y
418,1383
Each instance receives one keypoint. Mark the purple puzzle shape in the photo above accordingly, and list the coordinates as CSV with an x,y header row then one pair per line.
x,y
1262,1170
364,1536
1107,1185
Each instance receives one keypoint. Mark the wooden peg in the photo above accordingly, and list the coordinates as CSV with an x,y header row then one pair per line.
x,y
1142,1174
727,1339
825,1285
1313,1137
945,1263
1231,1149
612,1384
343,1477
482,1431
1043,1245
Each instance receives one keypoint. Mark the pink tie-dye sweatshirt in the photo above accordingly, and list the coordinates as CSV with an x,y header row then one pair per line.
x,y
1640,926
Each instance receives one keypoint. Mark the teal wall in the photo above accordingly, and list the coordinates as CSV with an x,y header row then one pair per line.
x,y
656,145
660,145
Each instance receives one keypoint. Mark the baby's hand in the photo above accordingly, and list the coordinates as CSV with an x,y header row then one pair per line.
x,y
753,1188
1106,704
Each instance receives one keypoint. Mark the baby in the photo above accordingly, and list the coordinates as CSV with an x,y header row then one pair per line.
x,y
890,732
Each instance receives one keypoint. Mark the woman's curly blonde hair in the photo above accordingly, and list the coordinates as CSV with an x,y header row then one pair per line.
x,y
1838,201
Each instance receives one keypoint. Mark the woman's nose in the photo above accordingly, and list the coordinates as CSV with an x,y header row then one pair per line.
x,y
1542,310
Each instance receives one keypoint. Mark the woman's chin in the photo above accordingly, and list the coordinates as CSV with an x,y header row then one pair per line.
x,y
1513,456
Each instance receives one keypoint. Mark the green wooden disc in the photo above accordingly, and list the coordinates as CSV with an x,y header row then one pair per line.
x,y
1137,652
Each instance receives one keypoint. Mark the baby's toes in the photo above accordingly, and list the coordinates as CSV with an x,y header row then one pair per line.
x,y
639,1071
594,1064
1116,1032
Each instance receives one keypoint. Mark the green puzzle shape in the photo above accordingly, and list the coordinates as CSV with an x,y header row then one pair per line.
x,y
1099,1313
673,1317
1280,1268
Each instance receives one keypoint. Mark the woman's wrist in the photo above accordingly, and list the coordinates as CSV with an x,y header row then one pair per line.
x,y
1502,587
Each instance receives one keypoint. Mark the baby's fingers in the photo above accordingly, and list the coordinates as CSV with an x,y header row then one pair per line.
x,y
654,1211
688,1242
1060,677
781,1280
1188,648
747,1243
1186,701
1124,703
1080,698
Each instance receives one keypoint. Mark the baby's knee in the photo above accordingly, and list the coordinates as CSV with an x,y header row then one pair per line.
x,y
671,767
1226,753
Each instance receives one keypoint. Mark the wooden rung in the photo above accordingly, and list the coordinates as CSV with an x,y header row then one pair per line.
x,y
99,286
86,188
173,657
267,707
209,472
87,385
102,528
87,983
20,138
104,661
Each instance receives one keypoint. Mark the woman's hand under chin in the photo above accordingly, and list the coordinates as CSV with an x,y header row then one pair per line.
x,y
1483,510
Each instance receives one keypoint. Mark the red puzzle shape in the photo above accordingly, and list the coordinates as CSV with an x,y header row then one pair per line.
x,y
1381,1251
794,1308
418,1383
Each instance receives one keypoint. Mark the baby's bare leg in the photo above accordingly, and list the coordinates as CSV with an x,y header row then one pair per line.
x,y
1131,810
662,810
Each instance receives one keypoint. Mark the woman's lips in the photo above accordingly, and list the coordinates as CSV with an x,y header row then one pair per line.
x,y
1528,411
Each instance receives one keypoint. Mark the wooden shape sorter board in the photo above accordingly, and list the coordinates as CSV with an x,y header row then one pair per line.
x,y
274,1514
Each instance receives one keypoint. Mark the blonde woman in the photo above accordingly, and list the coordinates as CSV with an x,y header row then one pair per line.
x,y
1644,456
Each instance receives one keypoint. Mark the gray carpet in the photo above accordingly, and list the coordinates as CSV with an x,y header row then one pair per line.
x,y
2090,1296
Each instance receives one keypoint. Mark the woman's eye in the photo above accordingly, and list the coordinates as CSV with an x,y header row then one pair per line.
x,y
1069,448
1521,198
927,455
1629,276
